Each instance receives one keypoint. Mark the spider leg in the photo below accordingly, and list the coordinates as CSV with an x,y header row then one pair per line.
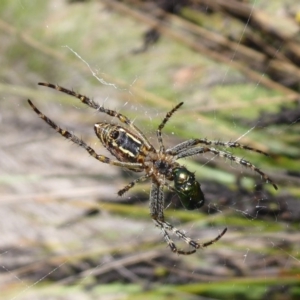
x,y
132,183
193,142
156,211
72,137
91,103
215,239
162,125
241,161
164,226
189,241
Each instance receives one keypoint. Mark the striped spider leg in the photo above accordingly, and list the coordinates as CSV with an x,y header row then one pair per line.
x,y
134,152
187,149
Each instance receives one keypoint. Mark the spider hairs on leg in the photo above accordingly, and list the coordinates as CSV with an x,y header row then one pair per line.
x,y
134,152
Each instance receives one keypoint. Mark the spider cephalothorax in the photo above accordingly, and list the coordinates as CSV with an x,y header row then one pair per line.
x,y
134,152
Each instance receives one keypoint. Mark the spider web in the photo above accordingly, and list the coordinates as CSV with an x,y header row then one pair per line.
x,y
54,231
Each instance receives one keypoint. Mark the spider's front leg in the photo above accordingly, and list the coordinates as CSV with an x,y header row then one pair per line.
x,y
162,125
156,211
164,226
226,155
182,147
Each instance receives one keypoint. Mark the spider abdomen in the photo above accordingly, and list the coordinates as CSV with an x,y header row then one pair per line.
x,y
120,142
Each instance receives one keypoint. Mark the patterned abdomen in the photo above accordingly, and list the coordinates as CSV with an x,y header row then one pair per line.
x,y
120,142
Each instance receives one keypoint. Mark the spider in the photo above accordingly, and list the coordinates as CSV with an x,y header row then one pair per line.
x,y
134,152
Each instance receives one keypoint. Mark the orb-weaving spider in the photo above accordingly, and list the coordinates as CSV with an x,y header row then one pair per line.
x,y
133,151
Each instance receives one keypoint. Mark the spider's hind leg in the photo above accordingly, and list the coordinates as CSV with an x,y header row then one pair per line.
x,y
91,103
72,137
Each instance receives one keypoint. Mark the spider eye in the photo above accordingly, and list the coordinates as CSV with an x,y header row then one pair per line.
x,y
189,191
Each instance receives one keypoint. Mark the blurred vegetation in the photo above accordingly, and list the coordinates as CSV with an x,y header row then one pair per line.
x,y
65,233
